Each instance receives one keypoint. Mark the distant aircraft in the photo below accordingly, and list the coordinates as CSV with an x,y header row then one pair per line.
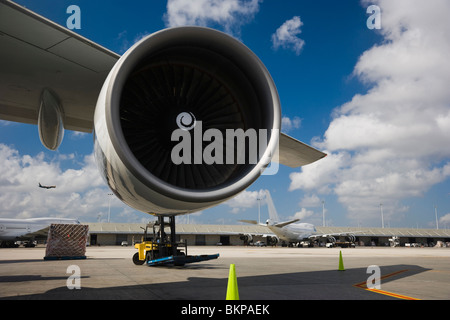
x,y
46,187
290,232
16,229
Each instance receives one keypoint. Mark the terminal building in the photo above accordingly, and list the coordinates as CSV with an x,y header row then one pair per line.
x,y
198,235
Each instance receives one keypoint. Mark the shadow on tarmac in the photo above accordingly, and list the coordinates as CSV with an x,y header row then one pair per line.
x,y
311,285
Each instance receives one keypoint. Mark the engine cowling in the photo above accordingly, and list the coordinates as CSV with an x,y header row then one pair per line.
x,y
331,239
189,76
246,238
350,238
272,240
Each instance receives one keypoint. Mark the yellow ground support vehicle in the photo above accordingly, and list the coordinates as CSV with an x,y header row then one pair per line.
x,y
159,245
144,248
161,248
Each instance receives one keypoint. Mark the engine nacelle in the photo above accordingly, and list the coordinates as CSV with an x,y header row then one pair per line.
x,y
246,238
199,83
331,239
272,240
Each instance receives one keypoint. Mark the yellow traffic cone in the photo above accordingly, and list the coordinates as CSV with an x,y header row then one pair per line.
x,y
232,289
341,262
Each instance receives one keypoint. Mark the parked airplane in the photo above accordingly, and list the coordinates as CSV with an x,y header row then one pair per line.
x,y
290,232
17,229
46,187
57,79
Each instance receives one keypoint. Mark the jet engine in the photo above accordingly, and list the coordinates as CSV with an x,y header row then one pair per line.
x,y
272,240
331,239
350,238
246,238
200,84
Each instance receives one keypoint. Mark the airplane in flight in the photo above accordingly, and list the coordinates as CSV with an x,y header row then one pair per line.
x,y
46,187
290,232
12,230
134,103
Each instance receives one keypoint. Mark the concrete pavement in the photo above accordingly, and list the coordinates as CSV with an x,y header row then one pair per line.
x,y
262,273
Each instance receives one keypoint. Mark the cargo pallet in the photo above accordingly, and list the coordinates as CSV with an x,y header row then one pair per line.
x,y
65,258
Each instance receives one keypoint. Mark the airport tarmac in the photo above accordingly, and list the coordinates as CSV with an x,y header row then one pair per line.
x,y
263,273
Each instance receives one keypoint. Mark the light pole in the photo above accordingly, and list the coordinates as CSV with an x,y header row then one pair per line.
x,y
323,213
109,207
382,218
435,213
259,209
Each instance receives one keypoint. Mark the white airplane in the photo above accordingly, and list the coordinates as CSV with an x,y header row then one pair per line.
x,y
57,79
15,229
290,232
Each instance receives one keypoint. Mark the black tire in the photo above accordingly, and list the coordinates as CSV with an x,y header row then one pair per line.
x,y
179,263
136,260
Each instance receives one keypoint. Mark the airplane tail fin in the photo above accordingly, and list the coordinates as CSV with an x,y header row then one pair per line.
x,y
273,215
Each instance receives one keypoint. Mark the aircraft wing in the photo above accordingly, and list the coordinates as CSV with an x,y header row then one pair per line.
x,y
279,225
283,224
326,235
249,221
294,153
37,53
38,233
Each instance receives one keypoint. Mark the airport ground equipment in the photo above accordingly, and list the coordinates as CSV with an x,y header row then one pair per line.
x,y
66,242
394,241
347,242
161,248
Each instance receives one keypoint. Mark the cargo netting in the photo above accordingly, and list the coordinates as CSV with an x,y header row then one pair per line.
x,y
66,241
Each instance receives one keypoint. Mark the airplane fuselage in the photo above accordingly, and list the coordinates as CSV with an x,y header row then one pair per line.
x,y
11,229
294,232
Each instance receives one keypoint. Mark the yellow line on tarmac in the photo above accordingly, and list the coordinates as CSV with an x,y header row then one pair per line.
x,y
395,295
363,285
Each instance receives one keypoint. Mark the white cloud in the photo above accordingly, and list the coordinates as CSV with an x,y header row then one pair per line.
x,y
230,14
390,143
310,201
286,36
80,193
444,220
288,124
320,175
246,199
303,214
124,43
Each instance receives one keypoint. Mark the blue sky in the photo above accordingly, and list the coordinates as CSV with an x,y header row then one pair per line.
x,y
374,100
